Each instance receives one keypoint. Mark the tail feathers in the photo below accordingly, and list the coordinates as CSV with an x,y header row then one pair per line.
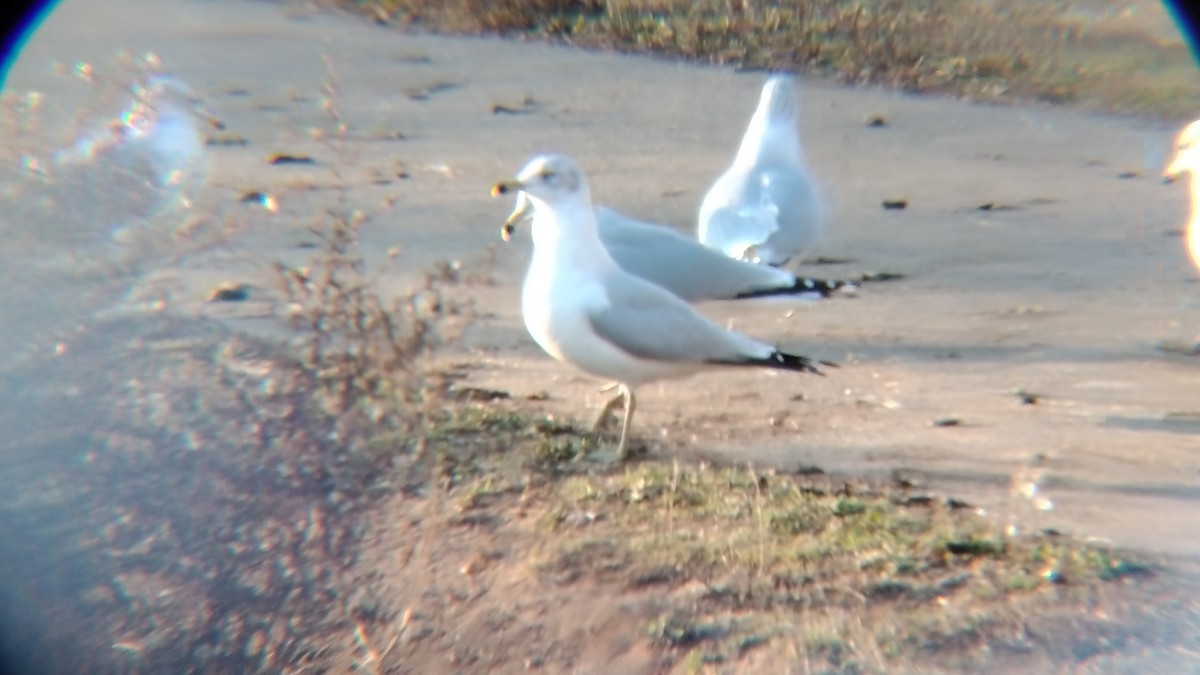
x,y
806,287
784,361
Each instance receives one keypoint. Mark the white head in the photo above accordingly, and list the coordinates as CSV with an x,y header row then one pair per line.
x,y
1187,153
562,205
772,134
552,180
779,102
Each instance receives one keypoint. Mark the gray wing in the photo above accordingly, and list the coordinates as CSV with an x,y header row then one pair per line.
x,y
647,322
681,264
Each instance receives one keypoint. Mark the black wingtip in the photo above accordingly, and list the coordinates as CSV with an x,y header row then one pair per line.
x,y
826,287
795,362
804,286
784,361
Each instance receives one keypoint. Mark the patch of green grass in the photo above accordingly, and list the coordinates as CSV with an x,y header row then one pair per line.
x,y
846,577
478,420
560,446
777,549
997,50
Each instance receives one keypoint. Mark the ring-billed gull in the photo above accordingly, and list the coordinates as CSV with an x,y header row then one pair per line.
x,y
1187,159
583,309
683,265
765,207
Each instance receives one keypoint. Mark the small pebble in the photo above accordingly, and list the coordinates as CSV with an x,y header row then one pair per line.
x,y
993,206
281,158
230,292
1028,398
880,276
498,109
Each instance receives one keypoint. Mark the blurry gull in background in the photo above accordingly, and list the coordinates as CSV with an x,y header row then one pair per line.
x,y
686,267
765,208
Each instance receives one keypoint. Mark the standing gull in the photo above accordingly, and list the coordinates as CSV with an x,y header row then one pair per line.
x,y
765,207
583,309
684,266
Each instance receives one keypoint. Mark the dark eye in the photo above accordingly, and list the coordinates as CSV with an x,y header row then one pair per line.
x,y
547,174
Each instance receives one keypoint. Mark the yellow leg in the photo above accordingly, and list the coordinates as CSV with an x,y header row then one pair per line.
x,y
602,418
630,406
624,396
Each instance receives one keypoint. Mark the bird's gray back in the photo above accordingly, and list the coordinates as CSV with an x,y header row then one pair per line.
x,y
648,322
681,264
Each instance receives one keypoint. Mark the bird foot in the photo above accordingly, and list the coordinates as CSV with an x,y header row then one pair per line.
x,y
605,457
614,457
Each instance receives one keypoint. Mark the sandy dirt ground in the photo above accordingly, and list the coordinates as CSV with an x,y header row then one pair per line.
x,y
1064,289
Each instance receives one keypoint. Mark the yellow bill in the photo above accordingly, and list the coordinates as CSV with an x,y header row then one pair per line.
x,y
521,210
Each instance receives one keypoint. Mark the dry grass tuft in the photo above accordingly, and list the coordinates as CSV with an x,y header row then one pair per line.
x,y
179,497
842,575
998,50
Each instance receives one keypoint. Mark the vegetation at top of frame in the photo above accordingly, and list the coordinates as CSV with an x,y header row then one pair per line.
x,y
996,50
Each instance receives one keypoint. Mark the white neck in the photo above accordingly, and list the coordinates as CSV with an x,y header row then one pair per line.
x,y
568,233
769,141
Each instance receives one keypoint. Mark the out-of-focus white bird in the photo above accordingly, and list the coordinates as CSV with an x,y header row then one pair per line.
x,y
157,137
1187,159
765,207
123,191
